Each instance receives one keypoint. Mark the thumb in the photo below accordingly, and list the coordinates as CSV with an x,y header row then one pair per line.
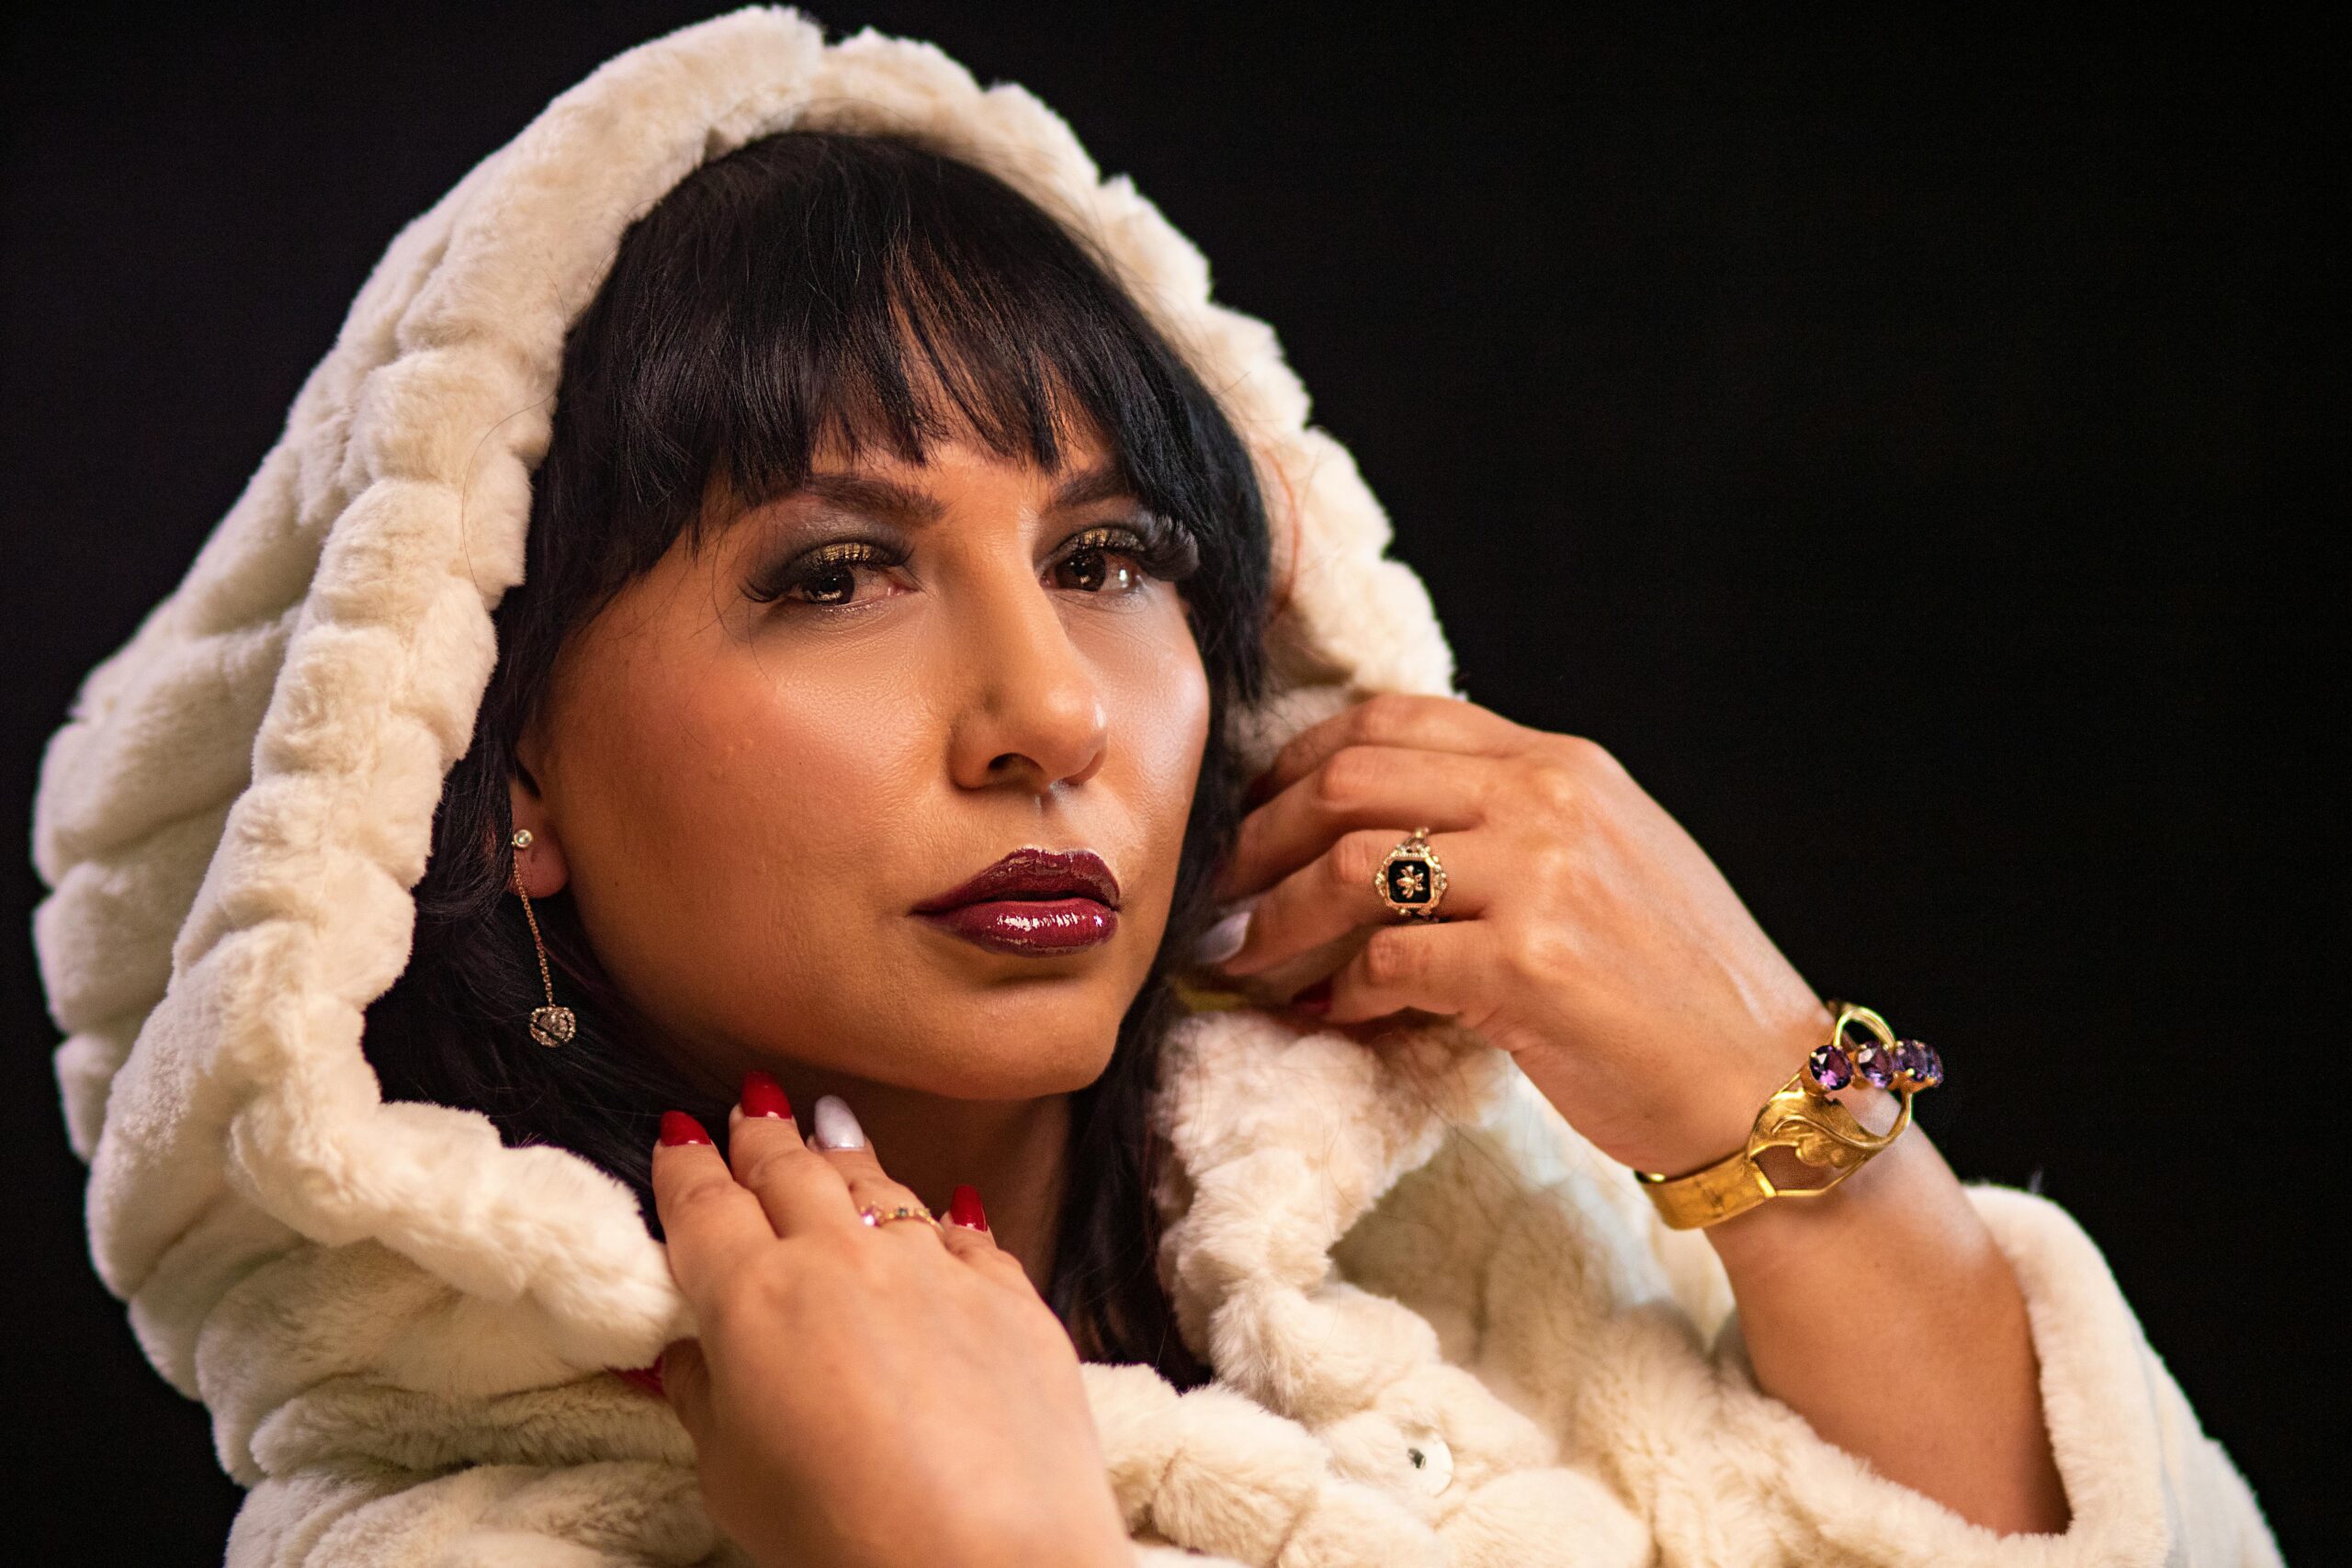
x,y
685,1383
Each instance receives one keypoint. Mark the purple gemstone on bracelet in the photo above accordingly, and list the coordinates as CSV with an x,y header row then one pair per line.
x,y
1874,1065
1830,1068
1911,1059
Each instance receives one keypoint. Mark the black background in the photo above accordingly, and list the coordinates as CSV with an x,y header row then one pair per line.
x,y
1897,441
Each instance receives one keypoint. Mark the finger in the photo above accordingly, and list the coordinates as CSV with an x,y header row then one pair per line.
x,y
796,1188
966,1236
1332,894
709,1220
1393,718
842,1144
1446,969
1359,787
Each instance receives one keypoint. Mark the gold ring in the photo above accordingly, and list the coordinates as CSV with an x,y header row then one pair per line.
x,y
873,1215
1410,879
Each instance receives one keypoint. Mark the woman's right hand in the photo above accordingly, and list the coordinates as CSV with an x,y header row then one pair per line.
x,y
890,1396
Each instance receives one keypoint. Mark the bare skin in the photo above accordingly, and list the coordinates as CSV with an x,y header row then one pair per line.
x,y
747,798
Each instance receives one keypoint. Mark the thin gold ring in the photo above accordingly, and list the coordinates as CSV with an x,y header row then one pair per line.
x,y
876,1215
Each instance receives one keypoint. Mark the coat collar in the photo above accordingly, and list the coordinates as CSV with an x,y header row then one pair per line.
x,y
1284,1137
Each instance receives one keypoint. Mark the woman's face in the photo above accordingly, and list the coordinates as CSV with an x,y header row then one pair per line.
x,y
753,767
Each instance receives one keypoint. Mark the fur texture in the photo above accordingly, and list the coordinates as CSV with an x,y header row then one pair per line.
x,y
1446,1330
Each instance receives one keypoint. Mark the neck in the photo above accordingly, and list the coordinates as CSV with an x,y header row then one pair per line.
x,y
1013,1151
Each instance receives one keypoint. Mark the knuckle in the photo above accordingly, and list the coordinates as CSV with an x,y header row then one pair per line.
x,y
1385,718
771,1160
857,1175
977,1248
1549,863
1535,951
696,1197
1583,754
1356,856
961,1240
1392,957
1554,787
1350,775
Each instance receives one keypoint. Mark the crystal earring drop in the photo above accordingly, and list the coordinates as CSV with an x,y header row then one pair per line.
x,y
550,1025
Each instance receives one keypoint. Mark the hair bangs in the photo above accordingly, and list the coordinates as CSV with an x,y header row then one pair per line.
x,y
924,306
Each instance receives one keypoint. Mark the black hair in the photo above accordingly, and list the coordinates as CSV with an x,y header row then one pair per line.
x,y
811,286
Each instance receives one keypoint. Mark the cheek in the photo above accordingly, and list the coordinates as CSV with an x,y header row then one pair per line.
x,y
1159,708
1156,692
734,821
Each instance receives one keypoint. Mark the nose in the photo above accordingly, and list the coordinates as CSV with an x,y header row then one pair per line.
x,y
1032,712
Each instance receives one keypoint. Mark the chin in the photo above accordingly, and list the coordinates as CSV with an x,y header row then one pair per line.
x,y
1020,1059
1059,1027
1032,1074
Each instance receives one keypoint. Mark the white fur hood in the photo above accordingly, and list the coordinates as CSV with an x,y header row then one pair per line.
x,y
1444,1329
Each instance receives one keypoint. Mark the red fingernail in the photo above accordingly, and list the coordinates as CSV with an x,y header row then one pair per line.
x,y
763,1096
677,1127
964,1209
1316,998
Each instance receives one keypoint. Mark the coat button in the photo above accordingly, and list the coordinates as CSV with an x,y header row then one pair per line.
x,y
1433,1463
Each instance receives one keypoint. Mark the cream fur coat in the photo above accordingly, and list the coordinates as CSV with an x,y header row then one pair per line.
x,y
1445,1330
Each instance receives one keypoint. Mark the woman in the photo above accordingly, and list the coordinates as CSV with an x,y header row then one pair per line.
x,y
787,605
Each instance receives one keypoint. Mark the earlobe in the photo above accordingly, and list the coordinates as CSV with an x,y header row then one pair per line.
x,y
539,863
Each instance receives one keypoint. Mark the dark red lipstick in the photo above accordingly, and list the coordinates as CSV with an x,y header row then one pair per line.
x,y
1040,903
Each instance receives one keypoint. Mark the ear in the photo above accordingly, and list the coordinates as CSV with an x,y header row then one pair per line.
x,y
542,866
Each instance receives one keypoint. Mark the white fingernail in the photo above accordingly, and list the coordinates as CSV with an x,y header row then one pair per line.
x,y
1224,938
837,1127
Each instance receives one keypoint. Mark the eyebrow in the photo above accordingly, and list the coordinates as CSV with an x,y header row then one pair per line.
x,y
905,505
1102,482
884,498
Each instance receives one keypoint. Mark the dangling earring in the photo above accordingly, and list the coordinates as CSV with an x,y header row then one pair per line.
x,y
550,1025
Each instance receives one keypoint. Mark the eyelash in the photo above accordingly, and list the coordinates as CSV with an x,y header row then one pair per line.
x,y
1161,549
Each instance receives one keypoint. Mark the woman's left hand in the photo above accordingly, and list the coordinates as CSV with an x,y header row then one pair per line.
x,y
1586,933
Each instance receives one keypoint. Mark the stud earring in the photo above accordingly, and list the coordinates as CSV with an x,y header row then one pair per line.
x,y
550,1025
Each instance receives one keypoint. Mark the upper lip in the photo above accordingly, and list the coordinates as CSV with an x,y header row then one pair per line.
x,y
1034,872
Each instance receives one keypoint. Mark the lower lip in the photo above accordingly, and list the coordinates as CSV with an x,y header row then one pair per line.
x,y
1038,927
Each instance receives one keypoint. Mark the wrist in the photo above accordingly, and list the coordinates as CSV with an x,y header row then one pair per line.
x,y
1715,1117
1806,1140
1752,1244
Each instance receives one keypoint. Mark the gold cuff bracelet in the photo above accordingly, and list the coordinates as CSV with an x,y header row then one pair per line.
x,y
1802,1118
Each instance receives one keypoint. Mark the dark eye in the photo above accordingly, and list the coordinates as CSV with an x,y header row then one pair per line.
x,y
1092,563
827,576
1155,549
